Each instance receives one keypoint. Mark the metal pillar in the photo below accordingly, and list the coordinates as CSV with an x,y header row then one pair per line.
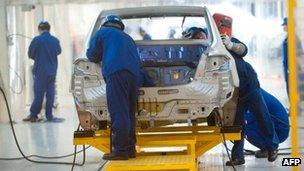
x,y
293,88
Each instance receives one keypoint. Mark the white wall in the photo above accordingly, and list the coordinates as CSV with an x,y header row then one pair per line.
x,y
4,60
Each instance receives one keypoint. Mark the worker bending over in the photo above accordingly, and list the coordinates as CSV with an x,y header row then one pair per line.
x,y
250,96
117,53
279,118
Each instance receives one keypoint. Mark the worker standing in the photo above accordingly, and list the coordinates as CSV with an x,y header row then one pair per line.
x,y
299,54
250,97
44,50
285,55
118,54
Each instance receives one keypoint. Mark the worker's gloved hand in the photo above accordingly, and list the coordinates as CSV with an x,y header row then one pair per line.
x,y
226,41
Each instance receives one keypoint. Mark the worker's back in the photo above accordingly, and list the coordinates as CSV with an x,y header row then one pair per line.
x,y
44,50
119,51
248,77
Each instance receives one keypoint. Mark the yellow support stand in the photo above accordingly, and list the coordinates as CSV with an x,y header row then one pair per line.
x,y
188,143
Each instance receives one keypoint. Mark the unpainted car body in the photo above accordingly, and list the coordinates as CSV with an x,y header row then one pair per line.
x,y
182,92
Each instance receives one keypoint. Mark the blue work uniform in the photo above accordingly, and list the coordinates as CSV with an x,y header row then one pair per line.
x,y
147,37
118,54
44,50
299,52
250,97
279,117
285,63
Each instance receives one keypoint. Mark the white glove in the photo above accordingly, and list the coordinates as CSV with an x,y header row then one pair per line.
x,y
226,41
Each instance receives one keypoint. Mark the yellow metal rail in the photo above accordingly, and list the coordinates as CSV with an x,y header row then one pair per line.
x,y
186,144
293,88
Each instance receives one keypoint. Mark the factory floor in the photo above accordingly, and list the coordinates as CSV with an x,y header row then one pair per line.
x,y
55,139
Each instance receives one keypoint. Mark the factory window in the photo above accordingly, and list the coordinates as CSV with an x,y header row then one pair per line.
x,y
270,9
162,28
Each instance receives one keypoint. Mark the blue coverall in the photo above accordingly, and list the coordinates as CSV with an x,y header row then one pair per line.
x,y
147,37
285,63
299,52
250,97
44,50
118,54
279,117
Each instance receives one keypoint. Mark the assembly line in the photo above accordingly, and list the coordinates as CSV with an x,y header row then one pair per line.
x,y
155,88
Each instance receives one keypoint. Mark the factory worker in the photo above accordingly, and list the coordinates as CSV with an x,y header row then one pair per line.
x,y
44,50
117,53
250,96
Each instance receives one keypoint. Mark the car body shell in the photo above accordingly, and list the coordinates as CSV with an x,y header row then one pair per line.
x,y
212,85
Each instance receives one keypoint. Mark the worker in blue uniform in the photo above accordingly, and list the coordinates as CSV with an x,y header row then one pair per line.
x,y
285,55
280,120
144,34
299,53
250,97
117,53
44,50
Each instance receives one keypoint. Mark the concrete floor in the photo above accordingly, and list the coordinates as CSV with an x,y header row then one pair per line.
x,y
53,139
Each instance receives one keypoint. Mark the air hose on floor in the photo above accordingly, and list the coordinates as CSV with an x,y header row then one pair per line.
x,y
28,158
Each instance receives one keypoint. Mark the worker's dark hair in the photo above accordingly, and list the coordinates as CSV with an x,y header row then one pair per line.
x,y
44,25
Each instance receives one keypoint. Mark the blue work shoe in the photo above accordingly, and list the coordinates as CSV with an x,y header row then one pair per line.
x,y
55,120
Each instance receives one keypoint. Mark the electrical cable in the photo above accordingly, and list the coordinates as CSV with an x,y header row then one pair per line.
x,y
18,76
45,157
101,167
21,81
21,35
251,152
74,158
224,141
19,148
75,149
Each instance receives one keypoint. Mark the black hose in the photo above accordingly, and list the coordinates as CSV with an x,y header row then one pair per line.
x,y
251,152
44,157
224,141
19,148
103,164
74,158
